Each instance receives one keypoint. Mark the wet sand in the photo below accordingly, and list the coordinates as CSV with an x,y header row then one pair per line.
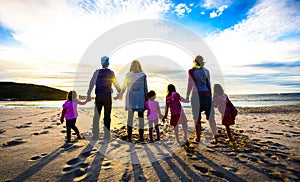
x,y
265,148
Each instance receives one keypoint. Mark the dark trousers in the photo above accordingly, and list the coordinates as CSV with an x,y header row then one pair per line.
x,y
102,101
71,124
130,123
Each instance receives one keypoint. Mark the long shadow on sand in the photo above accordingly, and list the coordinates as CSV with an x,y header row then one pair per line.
x,y
43,162
136,166
95,168
192,175
161,173
77,168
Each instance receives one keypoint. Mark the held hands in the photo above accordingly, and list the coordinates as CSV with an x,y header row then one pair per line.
x,y
88,98
187,98
118,97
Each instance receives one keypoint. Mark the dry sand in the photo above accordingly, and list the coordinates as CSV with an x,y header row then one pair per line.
x,y
33,148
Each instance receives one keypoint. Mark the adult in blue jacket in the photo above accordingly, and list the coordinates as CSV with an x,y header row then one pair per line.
x,y
103,80
136,85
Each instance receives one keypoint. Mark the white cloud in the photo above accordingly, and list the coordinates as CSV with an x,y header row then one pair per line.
x,y
56,33
265,36
62,30
219,11
182,10
258,38
215,4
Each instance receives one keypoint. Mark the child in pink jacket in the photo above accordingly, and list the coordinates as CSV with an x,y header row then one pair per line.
x,y
225,107
173,100
70,113
153,114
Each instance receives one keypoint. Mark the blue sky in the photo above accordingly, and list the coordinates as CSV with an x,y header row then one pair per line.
x,y
256,42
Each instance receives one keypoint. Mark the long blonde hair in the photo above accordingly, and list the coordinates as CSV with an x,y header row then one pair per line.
x,y
136,66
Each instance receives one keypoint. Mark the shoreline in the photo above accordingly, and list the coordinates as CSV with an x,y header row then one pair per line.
x,y
58,103
266,148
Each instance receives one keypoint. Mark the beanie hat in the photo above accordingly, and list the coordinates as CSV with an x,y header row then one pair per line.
x,y
105,61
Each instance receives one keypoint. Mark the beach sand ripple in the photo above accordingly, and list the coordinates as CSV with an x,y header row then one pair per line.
x,y
265,148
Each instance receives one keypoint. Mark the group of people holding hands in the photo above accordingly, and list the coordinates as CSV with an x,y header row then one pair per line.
x,y
138,99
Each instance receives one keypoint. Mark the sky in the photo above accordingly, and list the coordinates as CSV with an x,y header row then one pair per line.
x,y
255,43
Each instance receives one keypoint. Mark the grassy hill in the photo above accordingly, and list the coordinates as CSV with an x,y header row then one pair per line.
x,y
29,92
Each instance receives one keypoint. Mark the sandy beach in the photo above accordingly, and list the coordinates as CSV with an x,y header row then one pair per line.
x,y
265,148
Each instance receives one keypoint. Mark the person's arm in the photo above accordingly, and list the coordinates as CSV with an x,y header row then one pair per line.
x,y
125,85
184,100
92,84
145,86
116,84
82,103
190,85
166,112
159,111
208,84
63,113
214,101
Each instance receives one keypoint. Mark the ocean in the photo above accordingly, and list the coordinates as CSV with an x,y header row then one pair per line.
x,y
240,101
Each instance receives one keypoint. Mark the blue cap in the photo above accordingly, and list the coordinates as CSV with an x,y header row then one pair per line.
x,y
105,61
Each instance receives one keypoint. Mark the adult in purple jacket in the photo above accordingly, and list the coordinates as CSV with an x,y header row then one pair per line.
x,y
201,100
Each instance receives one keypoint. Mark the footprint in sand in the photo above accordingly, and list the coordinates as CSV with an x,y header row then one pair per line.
x,y
275,133
106,165
76,168
63,131
2,131
203,170
241,158
41,133
73,161
25,125
34,158
78,173
13,143
88,153
48,127
71,168
43,120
